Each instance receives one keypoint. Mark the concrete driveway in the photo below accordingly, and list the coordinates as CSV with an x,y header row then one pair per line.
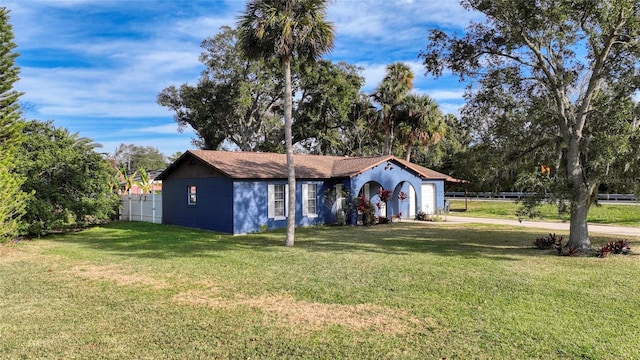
x,y
551,226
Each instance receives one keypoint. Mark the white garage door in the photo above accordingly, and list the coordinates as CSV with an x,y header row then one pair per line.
x,y
429,199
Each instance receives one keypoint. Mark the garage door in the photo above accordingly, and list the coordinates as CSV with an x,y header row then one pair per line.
x,y
428,198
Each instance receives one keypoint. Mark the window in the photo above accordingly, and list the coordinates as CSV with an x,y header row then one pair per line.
x,y
309,200
191,195
277,194
278,200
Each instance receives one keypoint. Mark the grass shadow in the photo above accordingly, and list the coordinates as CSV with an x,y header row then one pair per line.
x,y
146,240
465,241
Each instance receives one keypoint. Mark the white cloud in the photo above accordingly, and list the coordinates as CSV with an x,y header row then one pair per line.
x,y
105,60
371,20
442,95
162,129
91,92
203,27
373,74
450,108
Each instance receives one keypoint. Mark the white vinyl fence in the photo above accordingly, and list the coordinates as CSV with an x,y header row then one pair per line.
x,y
141,207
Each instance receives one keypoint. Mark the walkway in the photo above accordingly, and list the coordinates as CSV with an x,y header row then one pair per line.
x,y
552,226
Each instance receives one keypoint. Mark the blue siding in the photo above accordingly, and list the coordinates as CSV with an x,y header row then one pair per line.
x,y
307,220
250,206
213,209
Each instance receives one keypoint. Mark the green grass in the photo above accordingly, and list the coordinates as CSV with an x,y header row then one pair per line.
x,y
612,214
398,291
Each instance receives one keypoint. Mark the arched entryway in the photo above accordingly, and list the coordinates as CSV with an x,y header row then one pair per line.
x,y
370,193
404,200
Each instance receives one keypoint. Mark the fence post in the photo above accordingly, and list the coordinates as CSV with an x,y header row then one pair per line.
x,y
153,206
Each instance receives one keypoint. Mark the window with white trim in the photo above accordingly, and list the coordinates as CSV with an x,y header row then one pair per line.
x,y
191,195
277,194
278,200
309,200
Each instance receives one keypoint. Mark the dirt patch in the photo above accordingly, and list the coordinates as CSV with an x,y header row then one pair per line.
x,y
287,311
117,275
13,251
5,251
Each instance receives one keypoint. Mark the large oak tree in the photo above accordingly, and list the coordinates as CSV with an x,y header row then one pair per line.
x,y
327,97
236,101
565,62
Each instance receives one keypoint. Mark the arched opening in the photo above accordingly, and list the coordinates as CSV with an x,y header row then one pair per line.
x,y
404,200
336,201
370,193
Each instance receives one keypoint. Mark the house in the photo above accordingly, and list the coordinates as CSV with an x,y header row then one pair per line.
x,y
244,192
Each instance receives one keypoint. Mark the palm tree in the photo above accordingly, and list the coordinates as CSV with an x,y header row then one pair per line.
x,y
289,30
145,184
125,179
389,94
79,142
419,122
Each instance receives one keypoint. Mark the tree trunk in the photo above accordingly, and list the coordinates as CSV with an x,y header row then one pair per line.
x,y
578,228
385,149
288,141
391,138
387,137
409,148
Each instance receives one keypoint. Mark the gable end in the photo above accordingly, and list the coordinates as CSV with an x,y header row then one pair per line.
x,y
191,167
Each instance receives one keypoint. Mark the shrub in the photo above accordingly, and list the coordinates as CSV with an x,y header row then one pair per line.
x,y
603,251
367,210
620,246
421,216
553,241
71,183
383,220
614,247
548,242
570,250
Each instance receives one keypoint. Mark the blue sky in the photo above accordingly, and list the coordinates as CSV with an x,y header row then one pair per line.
x,y
96,66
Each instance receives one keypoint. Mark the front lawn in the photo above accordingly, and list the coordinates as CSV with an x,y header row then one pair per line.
x,y
397,291
611,214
